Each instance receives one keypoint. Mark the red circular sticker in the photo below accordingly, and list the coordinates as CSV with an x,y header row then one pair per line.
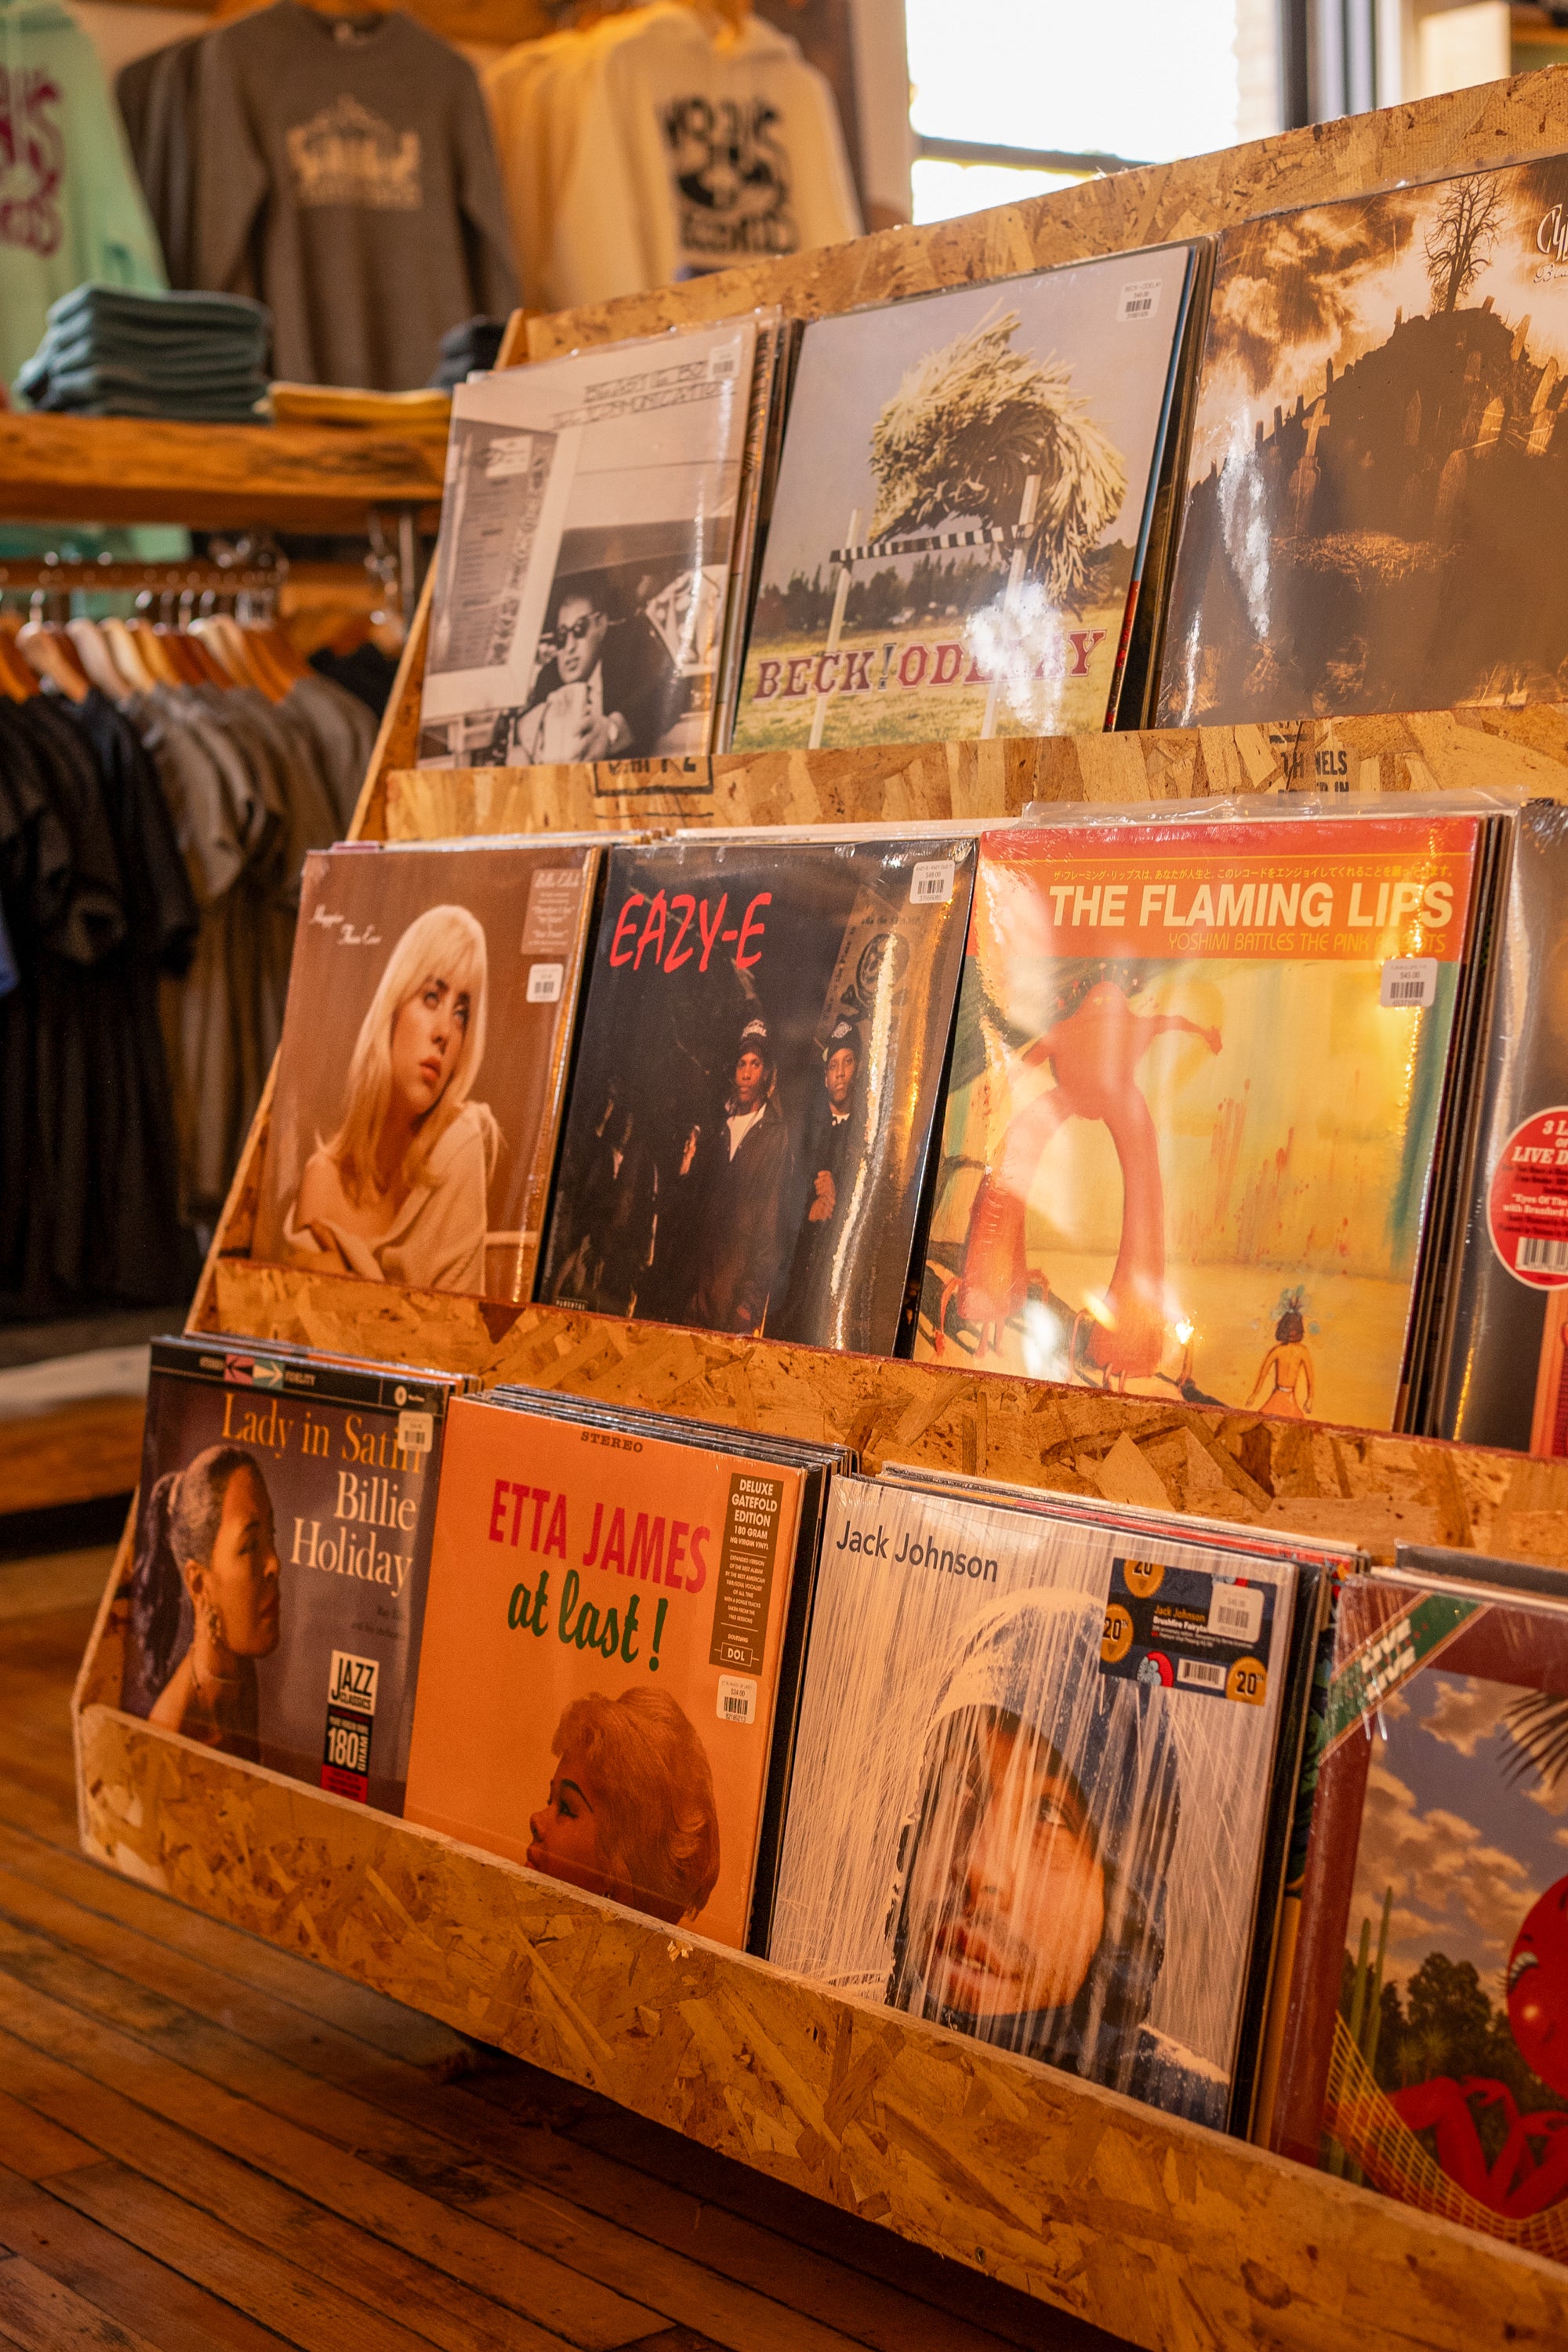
x,y
1527,1204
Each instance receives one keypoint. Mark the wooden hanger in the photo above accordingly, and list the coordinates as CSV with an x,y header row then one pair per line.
x,y
97,660
17,680
222,633
126,654
153,653
49,652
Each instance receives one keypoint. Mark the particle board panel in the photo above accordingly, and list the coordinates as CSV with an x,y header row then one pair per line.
x,y
1475,749
1496,123
1170,2236
1355,1486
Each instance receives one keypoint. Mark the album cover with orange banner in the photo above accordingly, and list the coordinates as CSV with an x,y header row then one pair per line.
x,y
1195,1124
607,1618
1431,1980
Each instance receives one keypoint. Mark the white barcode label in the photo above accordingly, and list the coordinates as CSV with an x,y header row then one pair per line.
x,y
1409,980
737,1699
930,882
723,363
1197,1670
1140,298
1538,1255
416,1432
544,983
1237,1612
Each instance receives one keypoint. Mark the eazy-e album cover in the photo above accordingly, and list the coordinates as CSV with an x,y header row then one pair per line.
x,y
1195,1095
1031,1781
1506,1379
757,1085
419,1085
1378,472
583,572
1426,2053
601,1657
962,505
282,1543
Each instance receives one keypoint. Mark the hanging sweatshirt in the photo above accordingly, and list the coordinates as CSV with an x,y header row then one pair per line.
x,y
70,207
662,145
345,176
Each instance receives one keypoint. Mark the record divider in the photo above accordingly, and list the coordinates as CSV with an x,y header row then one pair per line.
x,y
1171,2237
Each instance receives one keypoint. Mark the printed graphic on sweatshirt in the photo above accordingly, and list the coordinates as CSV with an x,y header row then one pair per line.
x,y
731,179
347,156
32,161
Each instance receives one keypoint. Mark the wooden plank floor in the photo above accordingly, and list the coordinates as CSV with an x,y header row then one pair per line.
x,y
207,2143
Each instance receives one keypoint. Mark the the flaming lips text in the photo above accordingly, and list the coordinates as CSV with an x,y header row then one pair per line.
x,y
671,931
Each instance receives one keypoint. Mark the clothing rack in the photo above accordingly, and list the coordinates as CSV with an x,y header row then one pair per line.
x,y
1167,2234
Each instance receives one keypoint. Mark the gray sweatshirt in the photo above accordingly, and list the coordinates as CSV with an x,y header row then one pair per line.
x,y
345,175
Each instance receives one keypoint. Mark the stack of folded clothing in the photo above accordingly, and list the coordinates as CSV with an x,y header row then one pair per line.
x,y
113,350
471,349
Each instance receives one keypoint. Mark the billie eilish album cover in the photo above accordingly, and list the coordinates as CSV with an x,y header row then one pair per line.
x,y
1195,1098
963,510
1031,1782
757,1085
417,1105
1425,2051
1507,1378
601,1659
282,1543
1378,470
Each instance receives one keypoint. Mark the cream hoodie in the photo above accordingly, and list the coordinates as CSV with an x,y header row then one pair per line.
x,y
664,145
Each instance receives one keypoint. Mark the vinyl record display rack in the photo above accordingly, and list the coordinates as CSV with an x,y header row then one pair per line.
x,y
1165,2234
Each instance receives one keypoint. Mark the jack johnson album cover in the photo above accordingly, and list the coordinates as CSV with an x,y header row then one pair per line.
x,y
757,1088
1030,1783
1378,472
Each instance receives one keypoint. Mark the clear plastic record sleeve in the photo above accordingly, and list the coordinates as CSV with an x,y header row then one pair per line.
x,y
757,1085
281,1547
415,1111
589,531
615,1623
1032,1779
1503,1381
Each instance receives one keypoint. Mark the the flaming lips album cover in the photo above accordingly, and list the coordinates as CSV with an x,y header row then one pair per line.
x,y
1195,1094
758,1084
277,1585
431,1003
601,1657
958,539
1426,2050
1377,481
1031,1782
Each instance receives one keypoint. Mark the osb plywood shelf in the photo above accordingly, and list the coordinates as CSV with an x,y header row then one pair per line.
x,y
1167,2235
1426,752
123,470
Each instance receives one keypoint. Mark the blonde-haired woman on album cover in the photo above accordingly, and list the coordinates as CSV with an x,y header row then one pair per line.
x,y
400,1192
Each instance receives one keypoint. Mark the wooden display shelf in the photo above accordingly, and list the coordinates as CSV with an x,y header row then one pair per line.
x,y
124,469
1168,2235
